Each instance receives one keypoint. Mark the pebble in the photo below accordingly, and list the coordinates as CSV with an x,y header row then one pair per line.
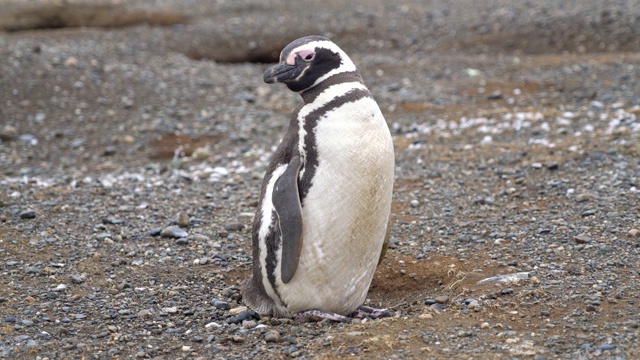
x,y
584,197
155,231
220,304
273,336
484,325
237,339
588,212
247,315
28,214
182,241
605,347
582,239
234,226
237,310
442,299
76,279
170,310
183,219
474,305
70,61
634,232
104,236
80,316
61,287
173,232
249,324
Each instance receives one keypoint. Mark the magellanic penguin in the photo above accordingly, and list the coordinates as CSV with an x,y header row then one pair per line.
x,y
324,208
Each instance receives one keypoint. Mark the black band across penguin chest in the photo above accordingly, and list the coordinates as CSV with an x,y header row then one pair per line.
x,y
311,156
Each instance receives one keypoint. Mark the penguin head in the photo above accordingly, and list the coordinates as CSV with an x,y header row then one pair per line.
x,y
308,61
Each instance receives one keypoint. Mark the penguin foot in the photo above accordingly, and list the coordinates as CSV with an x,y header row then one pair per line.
x,y
366,312
363,312
319,315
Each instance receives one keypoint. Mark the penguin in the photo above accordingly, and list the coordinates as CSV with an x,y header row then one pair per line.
x,y
322,220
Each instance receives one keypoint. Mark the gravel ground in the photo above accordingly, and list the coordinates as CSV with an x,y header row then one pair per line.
x,y
133,139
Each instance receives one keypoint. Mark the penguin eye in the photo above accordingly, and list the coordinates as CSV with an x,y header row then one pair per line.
x,y
307,55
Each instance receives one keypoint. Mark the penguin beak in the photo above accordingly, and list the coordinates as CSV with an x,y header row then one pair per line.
x,y
281,72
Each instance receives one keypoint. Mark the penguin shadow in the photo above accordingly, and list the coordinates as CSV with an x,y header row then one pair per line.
x,y
403,280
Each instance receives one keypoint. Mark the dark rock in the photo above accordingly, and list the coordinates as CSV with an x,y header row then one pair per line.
x,y
28,214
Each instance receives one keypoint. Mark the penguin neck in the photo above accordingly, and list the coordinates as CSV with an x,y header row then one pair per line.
x,y
310,94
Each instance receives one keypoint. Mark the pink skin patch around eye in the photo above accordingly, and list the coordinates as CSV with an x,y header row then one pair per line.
x,y
306,55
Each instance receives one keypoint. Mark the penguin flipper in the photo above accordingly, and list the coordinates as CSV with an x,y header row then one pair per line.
x,y
385,244
286,201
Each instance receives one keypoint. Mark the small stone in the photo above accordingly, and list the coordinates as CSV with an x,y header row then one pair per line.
x,y
234,226
249,324
634,233
109,151
70,61
199,238
170,310
245,315
273,336
144,313
220,304
197,339
61,287
182,241
203,261
186,348
582,239
484,325
415,203
8,133
173,232
141,354
127,102
237,339
212,325
584,197
183,219
76,279
442,299
155,231
28,214
104,236
474,305
80,316
237,310
588,212
605,347
495,96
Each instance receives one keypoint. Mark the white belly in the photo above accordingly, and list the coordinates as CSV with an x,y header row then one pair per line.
x,y
346,211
